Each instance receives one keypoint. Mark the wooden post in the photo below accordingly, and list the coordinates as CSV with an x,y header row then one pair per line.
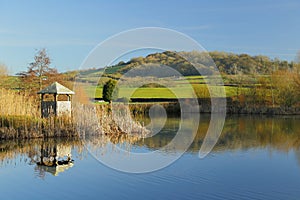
x,y
42,99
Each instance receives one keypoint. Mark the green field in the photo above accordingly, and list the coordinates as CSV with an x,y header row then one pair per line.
x,y
180,88
173,92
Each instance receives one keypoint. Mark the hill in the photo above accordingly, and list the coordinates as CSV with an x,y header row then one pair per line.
x,y
226,63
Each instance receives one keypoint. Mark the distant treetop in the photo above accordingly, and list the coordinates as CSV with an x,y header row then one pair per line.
x,y
227,63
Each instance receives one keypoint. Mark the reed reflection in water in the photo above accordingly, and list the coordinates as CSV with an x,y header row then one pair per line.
x,y
239,133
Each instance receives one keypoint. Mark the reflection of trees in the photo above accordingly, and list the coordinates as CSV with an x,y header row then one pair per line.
x,y
186,129
13,148
249,132
239,132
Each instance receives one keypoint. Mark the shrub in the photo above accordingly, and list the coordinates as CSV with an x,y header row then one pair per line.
x,y
110,91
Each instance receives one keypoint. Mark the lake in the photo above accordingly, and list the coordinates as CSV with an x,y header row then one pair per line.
x,y
256,157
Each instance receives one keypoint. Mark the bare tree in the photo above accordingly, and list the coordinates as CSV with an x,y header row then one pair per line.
x,y
41,67
39,72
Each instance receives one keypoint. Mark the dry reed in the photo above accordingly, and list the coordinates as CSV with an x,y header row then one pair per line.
x,y
20,118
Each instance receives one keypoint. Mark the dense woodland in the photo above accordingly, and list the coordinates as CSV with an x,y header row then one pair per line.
x,y
226,63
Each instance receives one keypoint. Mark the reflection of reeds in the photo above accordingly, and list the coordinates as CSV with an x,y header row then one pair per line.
x,y
30,149
100,144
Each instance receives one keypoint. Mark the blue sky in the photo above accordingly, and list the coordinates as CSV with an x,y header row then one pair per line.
x,y
70,29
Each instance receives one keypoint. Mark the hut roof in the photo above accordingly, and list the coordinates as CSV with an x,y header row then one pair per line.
x,y
56,88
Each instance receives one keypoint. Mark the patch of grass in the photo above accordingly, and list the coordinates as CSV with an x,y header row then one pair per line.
x,y
181,88
181,92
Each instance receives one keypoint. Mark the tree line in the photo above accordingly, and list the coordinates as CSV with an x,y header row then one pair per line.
x,y
189,63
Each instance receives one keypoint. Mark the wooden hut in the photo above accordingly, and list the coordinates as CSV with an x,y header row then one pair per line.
x,y
55,106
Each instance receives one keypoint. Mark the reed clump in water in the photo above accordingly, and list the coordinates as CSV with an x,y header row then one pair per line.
x,y
100,119
18,103
21,127
20,118
18,115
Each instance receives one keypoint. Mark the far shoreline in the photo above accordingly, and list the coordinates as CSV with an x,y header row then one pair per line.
x,y
172,106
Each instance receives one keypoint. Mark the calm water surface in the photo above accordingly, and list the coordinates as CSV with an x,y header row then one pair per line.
x,y
255,158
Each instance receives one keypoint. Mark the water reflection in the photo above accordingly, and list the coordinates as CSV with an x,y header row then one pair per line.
x,y
53,158
47,155
240,133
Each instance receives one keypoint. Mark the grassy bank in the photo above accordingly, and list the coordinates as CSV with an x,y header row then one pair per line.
x,y
278,89
232,107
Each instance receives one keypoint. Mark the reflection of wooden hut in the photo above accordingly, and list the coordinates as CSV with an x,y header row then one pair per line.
x,y
55,158
53,170
56,106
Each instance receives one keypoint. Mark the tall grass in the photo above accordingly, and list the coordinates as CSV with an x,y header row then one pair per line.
x,y
18,115
103,119
14,103
20,118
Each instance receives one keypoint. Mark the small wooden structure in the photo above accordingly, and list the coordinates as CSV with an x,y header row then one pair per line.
x,y
54,106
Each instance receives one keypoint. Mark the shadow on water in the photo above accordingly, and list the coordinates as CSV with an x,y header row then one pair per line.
x,y
239,133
